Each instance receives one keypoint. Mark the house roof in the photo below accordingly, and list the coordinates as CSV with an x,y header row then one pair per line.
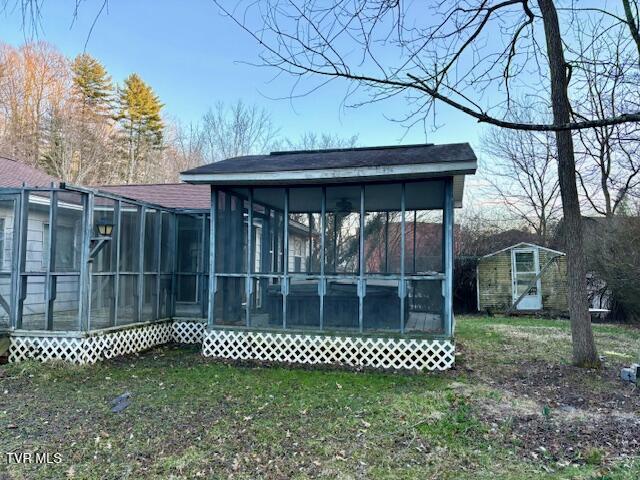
x,y
523,244
170,195
315,166
15,174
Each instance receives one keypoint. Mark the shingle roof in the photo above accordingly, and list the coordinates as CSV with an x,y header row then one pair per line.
x,y
341,158
14,174
170,195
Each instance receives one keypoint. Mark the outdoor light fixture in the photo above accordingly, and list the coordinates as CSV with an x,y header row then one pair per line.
x,y
104,227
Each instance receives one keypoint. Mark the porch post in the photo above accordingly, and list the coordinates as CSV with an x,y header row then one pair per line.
x,y
212,256
115,262
85,261
49,282
202,286
322,284
402,285
285,280
21,281
448,256
361,281
142,214
249,280
159,252
174,265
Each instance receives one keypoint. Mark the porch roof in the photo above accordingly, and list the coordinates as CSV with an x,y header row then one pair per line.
x,y
339,165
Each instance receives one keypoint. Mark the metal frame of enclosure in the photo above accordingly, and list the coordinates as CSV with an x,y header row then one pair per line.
x,y
339,256
369,267
52,283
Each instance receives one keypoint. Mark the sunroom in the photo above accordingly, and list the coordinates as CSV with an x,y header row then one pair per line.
x,y
334,256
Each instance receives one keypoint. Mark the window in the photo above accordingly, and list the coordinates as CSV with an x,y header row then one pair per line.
x,y
66,258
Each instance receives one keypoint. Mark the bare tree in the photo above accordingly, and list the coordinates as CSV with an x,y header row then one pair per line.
x,y
608,156
34,83
185,149
470,55
237,129
521,174
314,141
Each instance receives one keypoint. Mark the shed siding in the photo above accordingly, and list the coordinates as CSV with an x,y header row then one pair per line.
x,y
554,282
494,282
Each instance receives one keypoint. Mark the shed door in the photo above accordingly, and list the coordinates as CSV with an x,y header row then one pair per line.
x,y
525,267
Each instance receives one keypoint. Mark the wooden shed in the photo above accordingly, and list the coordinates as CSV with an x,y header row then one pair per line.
x,y
529,274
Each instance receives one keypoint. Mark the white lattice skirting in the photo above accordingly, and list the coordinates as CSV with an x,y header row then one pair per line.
x,y
188,332
290,348
89,349
383,353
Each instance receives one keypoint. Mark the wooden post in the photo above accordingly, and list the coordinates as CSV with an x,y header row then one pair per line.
x,y
249,279
201,284
448,256
158,215
285,280
386,242
142,212
322,285
49,284
212,257
16,266
22,280
115,262
361,281
84,300
402,286
174,266
415,233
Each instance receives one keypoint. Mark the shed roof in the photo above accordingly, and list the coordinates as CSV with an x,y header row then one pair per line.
x,y
315,166
13,174
523,244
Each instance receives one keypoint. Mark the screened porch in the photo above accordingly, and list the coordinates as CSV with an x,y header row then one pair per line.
x,y
363,258
61,271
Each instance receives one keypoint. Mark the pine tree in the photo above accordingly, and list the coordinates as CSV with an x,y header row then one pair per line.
x,y
141,126
78,133
92,84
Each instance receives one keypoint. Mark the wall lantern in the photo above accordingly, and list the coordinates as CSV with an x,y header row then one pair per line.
x,y
104,227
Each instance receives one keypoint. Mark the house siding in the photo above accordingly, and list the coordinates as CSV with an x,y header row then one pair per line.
x,y
494,282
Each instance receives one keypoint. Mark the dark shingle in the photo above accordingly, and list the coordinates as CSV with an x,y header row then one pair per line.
x,y
341,158
170,195
13,174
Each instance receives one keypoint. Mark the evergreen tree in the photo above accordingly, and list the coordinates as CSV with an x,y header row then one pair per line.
x,y
92,84
80,133
141,126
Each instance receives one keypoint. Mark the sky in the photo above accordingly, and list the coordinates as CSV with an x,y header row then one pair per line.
x,y
194,57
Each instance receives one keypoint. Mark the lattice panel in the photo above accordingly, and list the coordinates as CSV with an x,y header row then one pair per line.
x,y
383,353
124,342
90,349
47,349
188,332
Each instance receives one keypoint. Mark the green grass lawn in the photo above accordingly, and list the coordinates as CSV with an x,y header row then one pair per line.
x,y
513,408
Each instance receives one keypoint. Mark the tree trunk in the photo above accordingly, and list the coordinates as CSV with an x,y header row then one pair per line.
x,y
584,348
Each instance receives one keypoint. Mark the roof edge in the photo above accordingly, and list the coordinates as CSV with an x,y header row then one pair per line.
x,y
516,245
330,175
